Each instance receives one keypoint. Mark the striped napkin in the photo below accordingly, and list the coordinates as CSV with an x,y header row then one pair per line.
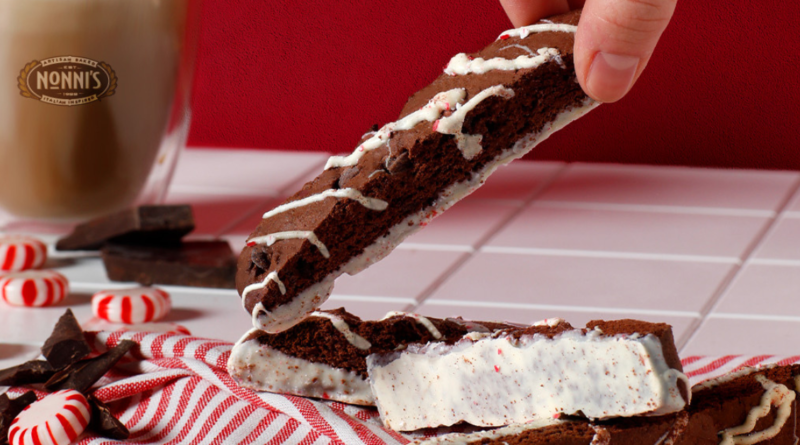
x,y
176,390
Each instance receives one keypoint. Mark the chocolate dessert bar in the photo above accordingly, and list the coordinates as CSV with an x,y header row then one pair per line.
x,y
610,369
750,406
193,263
485,110
324,356
144,225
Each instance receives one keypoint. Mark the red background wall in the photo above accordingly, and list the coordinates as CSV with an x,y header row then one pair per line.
x,y
723,88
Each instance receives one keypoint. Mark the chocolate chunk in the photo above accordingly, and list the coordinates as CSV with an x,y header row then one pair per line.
x,y
195,263
9,409
82,375
400,164
146,225
104,423
66,345
34,371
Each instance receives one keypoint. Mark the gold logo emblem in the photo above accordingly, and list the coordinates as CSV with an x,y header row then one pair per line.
x,y
67,80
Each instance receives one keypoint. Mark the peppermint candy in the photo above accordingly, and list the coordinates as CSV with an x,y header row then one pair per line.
x,y
131,306
21,253
34,288
57,419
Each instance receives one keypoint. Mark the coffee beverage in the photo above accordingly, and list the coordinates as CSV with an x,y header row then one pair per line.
x,y
88,102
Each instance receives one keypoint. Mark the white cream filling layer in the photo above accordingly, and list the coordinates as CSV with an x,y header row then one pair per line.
x,y
500,381
285,316
261,368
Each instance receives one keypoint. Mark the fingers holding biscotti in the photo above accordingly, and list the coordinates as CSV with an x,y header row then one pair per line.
x,y
614,42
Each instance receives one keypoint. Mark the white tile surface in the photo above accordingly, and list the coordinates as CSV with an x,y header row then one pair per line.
x,y
718,336
597,284
763,290
672,186
465,224
258,172
215,213
783,242
622,231
518,181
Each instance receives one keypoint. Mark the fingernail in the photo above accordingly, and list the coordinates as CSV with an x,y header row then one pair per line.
x,y
611,76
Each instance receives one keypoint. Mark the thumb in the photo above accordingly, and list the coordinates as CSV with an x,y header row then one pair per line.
x,y
614,42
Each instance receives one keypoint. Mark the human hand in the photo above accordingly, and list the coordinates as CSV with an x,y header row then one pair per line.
x,y
614,42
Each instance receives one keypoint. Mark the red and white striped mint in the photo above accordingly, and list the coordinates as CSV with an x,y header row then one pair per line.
x,y
19,252
57,419
34,288
130,306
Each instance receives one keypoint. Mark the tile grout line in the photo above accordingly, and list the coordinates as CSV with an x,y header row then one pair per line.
x,y
281,194
733,275
428,291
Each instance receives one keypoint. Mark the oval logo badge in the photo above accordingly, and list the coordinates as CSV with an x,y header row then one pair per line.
x,y
67,80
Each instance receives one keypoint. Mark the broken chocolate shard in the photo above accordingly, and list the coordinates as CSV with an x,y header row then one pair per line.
x,y
195,263
104,423
9,409
34,371
66,345
144,225
82,375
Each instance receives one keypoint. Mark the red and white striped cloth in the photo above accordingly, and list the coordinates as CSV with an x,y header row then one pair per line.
x,y
177,391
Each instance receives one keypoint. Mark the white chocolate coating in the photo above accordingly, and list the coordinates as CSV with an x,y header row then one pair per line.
x,y
461,64
497,381
262,368
470,145
291,234
287,315
445,100
348,193
343,328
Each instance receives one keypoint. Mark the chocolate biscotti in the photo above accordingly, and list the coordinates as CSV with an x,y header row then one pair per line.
x,y
485,110
749,406
609,369
324,356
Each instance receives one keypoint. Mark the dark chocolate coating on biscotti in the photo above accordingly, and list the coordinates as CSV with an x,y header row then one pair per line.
x,y
411,171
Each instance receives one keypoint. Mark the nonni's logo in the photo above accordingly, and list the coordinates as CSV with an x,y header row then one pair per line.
x,y
67,80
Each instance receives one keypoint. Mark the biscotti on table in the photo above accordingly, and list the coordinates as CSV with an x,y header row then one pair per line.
x,y
428,372
485,110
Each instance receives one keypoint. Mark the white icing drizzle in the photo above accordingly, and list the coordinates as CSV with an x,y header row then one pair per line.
x,y
525,31
774,394
470,145
425,322
522,47
461,64
342,326
272,276
601,436
284,316
292,234
349,193
445,100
